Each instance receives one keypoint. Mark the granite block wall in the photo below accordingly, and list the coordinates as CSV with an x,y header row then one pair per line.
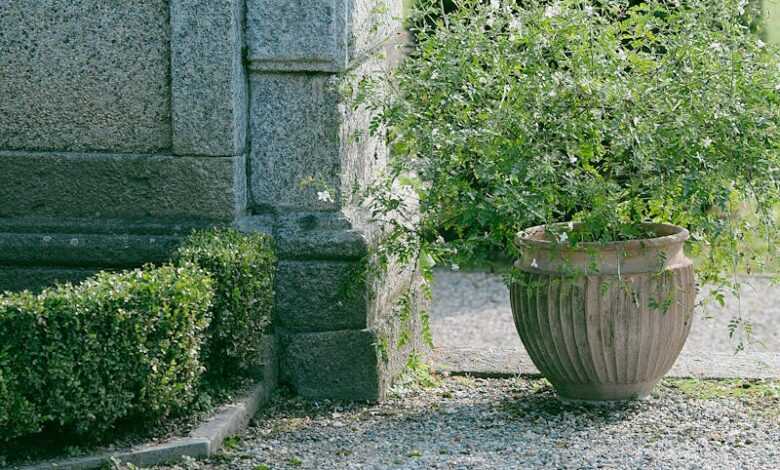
x,y
122,128
125,125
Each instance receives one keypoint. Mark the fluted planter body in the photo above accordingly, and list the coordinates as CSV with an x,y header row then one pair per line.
x,y
604,321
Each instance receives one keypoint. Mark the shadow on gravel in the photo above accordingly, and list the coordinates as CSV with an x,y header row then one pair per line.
x,y
544,402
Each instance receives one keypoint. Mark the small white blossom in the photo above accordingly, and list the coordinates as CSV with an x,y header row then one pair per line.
x,y
534,264
777,87
622,55
698,236
552,93
716,46
516,25
760,44
495,4
563,238
552,11
455,267
573,160
741,6
706,143
570,225
588,9
324,196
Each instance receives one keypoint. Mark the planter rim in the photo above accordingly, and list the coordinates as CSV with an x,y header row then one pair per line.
x,y
670,235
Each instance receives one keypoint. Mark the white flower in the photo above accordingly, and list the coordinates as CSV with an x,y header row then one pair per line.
x,y
563,238
706,143
534,264
324,196
573,160
588,10
552,93
552,11
716,46
455,267
516,25
777,87
622,55
495,4
741,6
760,44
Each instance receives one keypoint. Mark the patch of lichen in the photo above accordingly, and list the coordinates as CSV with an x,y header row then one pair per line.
x,y
720,389
761,396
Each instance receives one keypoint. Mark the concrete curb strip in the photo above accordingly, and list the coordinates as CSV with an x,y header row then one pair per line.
x,y
203,442
513,362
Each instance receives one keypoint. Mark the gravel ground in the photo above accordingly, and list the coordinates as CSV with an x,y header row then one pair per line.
x,y
472,310
465,423
517,423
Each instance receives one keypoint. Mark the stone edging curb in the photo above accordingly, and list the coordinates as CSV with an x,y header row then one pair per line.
x,y
203,442
509,363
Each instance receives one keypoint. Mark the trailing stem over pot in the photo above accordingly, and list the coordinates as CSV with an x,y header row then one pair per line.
x,y
603,113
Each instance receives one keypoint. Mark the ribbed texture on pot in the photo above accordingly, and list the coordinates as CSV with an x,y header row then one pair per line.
x,y
605,337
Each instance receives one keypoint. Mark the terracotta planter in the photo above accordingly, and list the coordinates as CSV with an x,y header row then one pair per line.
x,y
604,321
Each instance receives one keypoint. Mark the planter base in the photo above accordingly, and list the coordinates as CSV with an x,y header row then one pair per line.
x,y
605,392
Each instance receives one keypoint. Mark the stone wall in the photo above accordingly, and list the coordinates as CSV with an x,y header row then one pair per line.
x,y
124,125
303,59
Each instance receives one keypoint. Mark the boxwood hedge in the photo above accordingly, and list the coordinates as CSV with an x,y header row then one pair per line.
x,y
134,345
243,268
80,358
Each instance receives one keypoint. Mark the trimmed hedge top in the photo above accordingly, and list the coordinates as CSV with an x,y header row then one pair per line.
x,y
119,345
133,345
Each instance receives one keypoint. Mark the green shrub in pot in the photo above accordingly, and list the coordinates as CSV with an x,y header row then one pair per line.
x,y
593,119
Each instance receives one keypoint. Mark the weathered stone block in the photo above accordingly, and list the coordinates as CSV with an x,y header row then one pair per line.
x,y
309,235
21,278
84,249
317,35
321,296
85,75
372,23
209,84
295,124
335,365
297,35
353,364
106,186
310,131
